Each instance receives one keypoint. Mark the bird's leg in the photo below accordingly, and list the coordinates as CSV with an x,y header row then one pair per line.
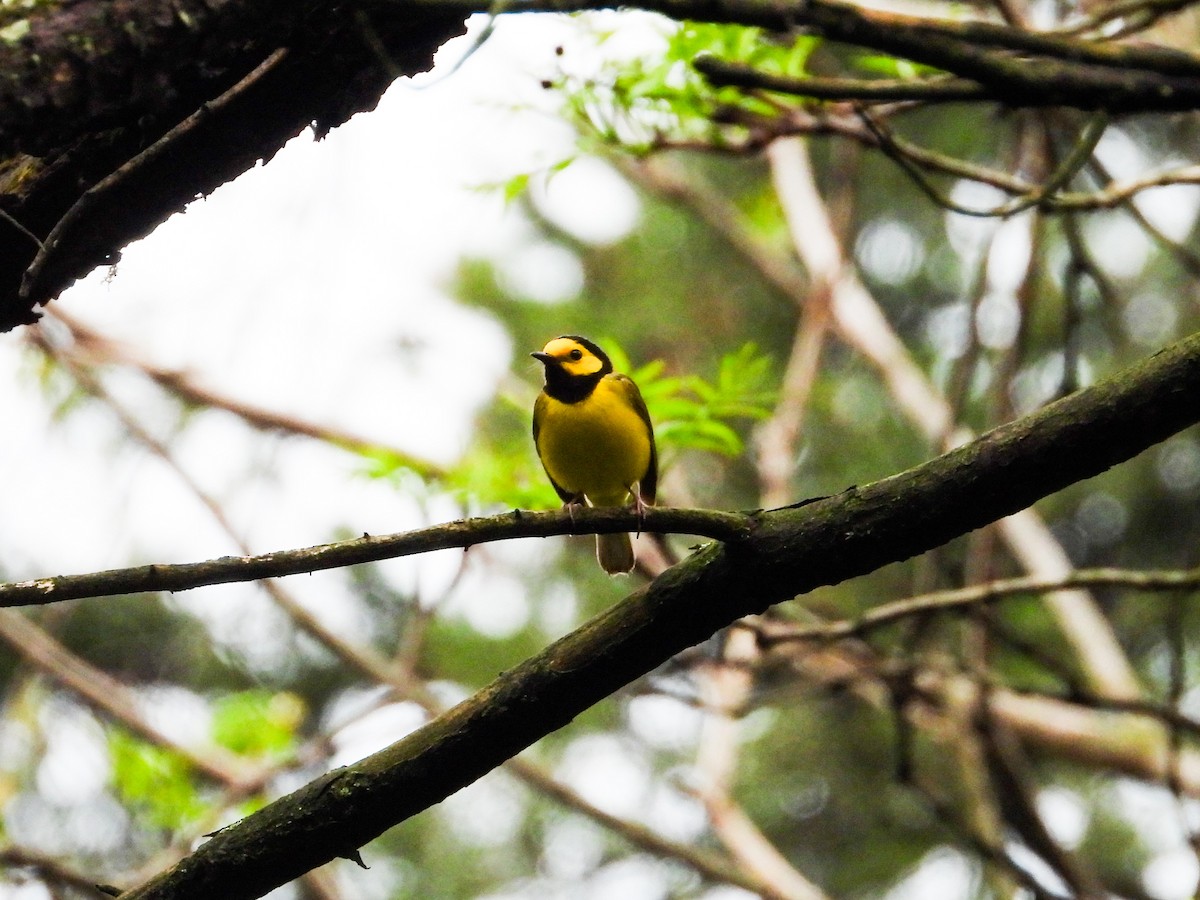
x,y
639,505
571,504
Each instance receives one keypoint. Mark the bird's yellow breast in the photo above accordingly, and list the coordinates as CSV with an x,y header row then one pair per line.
x,y
598,447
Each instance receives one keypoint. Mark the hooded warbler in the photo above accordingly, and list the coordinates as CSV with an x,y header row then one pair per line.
x,y
594,437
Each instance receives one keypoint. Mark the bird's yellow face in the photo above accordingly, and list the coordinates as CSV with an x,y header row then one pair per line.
x,y
572,357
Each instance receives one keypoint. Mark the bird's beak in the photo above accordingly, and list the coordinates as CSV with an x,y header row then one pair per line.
x,y
544,358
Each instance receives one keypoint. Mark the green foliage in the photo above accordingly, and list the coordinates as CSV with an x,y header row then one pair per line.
x,y
517,187
257,722
642,103
639,103
885,66
501,465
752,46
690,413
163,785
63,394
385,462
157,781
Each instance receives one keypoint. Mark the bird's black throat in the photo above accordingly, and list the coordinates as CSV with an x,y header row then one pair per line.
x,y
570,388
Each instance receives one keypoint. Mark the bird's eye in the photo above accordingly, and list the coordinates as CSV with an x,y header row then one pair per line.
x,y
576,353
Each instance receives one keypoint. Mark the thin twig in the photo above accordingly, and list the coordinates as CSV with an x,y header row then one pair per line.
x,y
1142,13
1041,195
92,347
727,686
1122,196
962,599
21,229
1034,154
778,435
988,849
802,122
130,168
462,534
49,870
704,862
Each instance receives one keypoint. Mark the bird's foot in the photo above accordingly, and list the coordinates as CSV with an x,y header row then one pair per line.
x,y
639,507
576,502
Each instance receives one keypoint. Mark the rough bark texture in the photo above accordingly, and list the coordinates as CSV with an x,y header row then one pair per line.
x,y
87,86
116,113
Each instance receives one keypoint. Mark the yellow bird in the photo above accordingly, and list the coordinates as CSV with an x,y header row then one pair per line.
x,y
594,437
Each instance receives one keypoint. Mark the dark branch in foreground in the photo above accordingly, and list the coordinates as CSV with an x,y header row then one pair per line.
x,y
465,533
722,73
115,115
1012,65
788,552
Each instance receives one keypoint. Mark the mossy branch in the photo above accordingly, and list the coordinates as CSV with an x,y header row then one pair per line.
x,y
787,552
86,165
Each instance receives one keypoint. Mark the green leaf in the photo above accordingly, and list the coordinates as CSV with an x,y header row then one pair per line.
x,y
693,413
639,103
516,187
702,434
157,781
257,722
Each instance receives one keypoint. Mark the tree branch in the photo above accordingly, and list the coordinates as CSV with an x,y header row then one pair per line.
x,y
723,73
961,600
1016,66
790,551
90,85
465,533
93,85
88,347
47,869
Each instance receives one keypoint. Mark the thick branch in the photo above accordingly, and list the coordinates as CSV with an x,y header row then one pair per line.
x,y
116,113
91,90
724,73
1018,67
790,551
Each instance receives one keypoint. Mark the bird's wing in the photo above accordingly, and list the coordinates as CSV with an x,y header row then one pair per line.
x,y
539,412
649,484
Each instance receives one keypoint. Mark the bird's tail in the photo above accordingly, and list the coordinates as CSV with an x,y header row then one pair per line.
x,y
615,552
